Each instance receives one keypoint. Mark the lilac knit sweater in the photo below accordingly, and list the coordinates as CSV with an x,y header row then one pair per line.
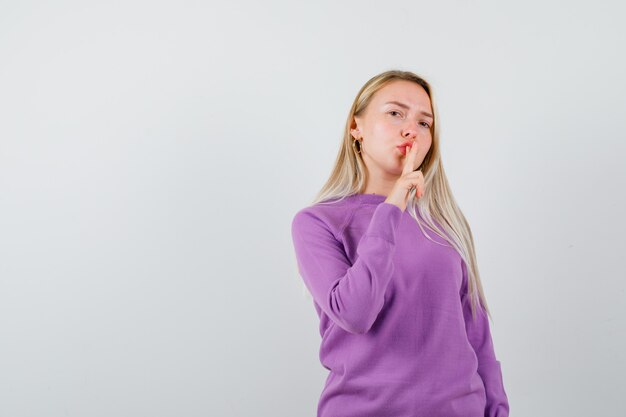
x,y
395,322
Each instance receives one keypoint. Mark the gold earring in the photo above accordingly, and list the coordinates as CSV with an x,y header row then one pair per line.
x,y
354,146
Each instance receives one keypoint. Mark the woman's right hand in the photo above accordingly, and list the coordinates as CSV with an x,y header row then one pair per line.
x,y
408,180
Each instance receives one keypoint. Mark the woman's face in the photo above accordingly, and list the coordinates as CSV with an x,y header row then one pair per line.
x,y
398,112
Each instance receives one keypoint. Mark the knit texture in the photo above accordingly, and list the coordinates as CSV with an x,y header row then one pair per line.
x,y
396,326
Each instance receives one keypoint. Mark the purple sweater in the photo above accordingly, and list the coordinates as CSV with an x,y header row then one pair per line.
x,y
396,324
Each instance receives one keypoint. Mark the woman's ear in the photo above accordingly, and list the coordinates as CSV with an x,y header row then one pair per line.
x,y
354,129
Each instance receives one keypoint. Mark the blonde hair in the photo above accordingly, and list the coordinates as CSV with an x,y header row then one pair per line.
x,y
349,177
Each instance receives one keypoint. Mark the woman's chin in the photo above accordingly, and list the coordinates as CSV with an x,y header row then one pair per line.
x,y
396,169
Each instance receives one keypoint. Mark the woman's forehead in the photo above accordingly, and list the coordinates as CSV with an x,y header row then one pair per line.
x,y
408,95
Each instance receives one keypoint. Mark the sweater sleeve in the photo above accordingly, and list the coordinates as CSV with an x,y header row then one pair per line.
x,y
489,368
351,295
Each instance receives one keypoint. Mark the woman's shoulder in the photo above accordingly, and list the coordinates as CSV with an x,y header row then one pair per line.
x,y
331,214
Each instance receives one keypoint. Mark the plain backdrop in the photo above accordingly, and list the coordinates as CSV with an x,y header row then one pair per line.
x,y
153,154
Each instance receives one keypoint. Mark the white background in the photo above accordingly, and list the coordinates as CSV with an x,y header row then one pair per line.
x,y
152,155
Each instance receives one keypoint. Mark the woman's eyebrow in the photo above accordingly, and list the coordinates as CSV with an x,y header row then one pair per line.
x,y
404,106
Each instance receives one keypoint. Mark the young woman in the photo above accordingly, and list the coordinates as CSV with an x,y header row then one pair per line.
x,y
403,317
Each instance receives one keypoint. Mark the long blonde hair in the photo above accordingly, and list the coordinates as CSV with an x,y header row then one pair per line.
x,y
349,177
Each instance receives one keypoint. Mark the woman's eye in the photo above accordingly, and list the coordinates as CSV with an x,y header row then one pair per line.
x,y
425,124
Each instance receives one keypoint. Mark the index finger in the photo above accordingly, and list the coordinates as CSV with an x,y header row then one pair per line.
x,y
410,159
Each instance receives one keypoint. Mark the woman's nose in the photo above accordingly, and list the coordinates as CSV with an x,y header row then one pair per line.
x,y
410,132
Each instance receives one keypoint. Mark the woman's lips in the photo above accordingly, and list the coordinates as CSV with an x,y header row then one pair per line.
x,y
402,148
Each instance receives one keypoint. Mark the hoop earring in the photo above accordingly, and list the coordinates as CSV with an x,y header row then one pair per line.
x,y
354,146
